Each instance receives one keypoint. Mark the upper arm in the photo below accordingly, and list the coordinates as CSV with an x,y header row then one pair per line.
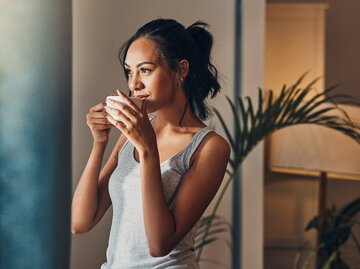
x,y
200,183
103,183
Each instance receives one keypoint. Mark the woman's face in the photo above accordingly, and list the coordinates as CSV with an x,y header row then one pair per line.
x,y
149,78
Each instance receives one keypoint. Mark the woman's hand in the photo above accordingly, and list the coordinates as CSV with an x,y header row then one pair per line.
x,y
134,123
98,123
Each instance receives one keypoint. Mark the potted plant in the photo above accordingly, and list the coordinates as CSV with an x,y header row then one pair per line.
x,y
252,125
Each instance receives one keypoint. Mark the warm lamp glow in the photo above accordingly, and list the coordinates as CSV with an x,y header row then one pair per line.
x,y
309,150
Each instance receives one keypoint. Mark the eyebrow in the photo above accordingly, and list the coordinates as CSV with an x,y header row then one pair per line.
x,y
140,64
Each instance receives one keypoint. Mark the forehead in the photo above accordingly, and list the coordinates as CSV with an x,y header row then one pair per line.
x,y
141,50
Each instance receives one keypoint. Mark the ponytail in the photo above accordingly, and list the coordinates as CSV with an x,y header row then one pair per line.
x,y
203,80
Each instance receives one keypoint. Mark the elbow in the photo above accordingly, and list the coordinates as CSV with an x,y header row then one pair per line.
x,y
78,229
159,251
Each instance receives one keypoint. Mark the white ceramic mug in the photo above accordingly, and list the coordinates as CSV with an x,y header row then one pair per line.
x,y
137,102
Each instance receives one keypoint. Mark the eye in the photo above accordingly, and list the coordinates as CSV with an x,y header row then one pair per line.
x,y
128,72
145,70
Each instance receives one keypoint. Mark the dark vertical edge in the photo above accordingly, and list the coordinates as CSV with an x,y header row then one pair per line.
x,y
64,136
236,202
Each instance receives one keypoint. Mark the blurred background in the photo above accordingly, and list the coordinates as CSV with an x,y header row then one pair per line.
x,y
58,59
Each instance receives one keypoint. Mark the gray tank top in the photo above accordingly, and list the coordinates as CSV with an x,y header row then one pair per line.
x,y
127,246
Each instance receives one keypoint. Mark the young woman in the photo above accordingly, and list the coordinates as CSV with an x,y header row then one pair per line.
x,y
163,172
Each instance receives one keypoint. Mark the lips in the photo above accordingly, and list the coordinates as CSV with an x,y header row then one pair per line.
x,y
142,97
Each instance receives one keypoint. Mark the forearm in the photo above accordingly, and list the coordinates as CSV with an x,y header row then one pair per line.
x,y
85,199
158,219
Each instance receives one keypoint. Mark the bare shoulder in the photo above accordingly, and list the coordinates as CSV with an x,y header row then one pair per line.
x,y
214,141
220,142
213,146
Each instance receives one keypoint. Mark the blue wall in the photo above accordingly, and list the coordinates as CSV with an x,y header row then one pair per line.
x,y
35,122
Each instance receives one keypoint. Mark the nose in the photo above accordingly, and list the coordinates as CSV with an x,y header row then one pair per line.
x,y
135,83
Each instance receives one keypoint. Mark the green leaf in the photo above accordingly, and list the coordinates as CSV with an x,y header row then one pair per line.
x,y
331,259
310,257
318,113
313,224
212,232
336,237
210,240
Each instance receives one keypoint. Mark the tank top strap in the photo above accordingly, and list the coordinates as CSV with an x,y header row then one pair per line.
x,y
195,142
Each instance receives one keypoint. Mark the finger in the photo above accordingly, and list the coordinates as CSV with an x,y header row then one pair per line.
x,y
122,110
98,121
115,104
98,107
118,124
98,115
121,116
121,93
101,127
106,126
128,101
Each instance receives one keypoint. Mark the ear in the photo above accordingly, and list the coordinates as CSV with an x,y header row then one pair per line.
x,y
184,68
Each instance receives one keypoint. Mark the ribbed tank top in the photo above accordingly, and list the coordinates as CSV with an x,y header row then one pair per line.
x,y
127,246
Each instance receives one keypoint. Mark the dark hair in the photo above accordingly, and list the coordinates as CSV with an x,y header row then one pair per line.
x,y
175,43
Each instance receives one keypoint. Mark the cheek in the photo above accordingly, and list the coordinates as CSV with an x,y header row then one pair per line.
x,y
162,91
161,88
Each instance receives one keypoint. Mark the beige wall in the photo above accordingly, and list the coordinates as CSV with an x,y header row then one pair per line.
x,y
99,28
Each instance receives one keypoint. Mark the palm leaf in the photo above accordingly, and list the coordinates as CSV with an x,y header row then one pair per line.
x,y
287,110
215,220
311,257
210,240
292,107
331,259
218,225
212,232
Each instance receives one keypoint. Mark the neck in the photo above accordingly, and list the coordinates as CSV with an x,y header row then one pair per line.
x,y
179,118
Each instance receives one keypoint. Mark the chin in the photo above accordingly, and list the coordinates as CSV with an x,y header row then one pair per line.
x,y
150,109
